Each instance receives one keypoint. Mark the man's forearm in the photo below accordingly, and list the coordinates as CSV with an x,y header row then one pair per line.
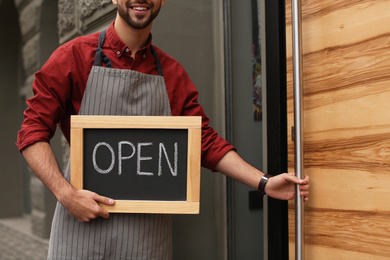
x,y
233,166
40,157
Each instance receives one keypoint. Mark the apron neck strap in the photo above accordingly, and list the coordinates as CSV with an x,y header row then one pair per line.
x,y
100,57
157,60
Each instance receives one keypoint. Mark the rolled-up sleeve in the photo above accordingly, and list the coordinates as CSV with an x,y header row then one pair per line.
x,y
51,89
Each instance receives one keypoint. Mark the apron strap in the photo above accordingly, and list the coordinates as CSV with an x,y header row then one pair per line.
x,y
100,57
157,60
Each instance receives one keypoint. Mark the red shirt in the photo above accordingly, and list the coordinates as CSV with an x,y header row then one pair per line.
x,y
59,87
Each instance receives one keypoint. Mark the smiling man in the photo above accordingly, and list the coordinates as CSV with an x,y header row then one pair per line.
x,y
119,72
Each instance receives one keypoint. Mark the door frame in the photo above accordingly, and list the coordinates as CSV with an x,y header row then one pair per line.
x,y
275,211
276,125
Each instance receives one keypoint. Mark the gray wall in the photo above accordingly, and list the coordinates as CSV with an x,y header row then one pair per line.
x,y
11,177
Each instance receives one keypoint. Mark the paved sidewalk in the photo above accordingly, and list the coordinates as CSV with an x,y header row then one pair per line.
x,y
16,244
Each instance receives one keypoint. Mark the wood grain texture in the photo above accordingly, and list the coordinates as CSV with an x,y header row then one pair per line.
x,y
76,158
326,253
362,232
194,165
370,153
346,87
331,24
154,207
151,122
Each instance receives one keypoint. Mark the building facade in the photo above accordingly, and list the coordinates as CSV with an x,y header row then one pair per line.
x,y
194,34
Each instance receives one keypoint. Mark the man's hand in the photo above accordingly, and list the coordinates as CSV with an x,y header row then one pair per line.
x,y
282,186
83,205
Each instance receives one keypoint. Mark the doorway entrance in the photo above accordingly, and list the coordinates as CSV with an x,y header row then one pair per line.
x,y
245,130
256,124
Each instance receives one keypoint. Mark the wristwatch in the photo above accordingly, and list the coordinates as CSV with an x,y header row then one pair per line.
x,y
263,182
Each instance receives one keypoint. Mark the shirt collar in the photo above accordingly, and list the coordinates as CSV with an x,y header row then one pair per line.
x,y
120,48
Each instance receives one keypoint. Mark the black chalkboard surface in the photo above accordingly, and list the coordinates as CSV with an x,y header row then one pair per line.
x,y
136,164
147,164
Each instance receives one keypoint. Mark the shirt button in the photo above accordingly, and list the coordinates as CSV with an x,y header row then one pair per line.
x,y
144,56
127,50
118,52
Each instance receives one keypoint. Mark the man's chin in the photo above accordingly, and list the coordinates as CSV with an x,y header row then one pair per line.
x,y
138,21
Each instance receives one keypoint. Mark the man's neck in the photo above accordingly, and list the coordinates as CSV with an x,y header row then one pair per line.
x,y
135,39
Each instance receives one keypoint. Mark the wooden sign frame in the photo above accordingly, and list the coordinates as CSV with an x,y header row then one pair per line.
x,y
192,123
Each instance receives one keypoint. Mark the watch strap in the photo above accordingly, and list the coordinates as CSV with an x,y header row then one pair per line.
x,y
263,182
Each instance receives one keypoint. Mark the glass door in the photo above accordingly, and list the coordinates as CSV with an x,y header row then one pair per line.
x,y
245,126
255,45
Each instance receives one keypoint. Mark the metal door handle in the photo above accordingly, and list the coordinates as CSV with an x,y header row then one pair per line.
x,y
298,123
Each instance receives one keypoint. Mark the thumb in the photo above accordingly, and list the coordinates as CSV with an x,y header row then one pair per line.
x,y
104,200
290,177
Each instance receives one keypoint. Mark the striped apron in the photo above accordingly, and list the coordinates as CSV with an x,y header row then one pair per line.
x,y
122,236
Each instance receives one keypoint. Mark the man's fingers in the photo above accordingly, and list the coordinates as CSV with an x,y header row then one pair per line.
x,y
303,185
292,178
84,205
296,180
104,213
99,210
305,188
104,200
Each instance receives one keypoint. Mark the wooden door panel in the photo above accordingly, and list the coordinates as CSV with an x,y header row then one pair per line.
x,y
346,87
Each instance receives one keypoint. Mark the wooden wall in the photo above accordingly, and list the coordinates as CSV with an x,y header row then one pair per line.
x,y
346,78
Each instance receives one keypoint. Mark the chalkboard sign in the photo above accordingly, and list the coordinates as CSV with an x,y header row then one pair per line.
x,y
147,164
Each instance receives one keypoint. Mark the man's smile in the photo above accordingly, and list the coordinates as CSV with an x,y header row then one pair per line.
x,y
137,8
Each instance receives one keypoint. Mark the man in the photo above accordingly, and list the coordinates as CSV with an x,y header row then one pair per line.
x,y
117,72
